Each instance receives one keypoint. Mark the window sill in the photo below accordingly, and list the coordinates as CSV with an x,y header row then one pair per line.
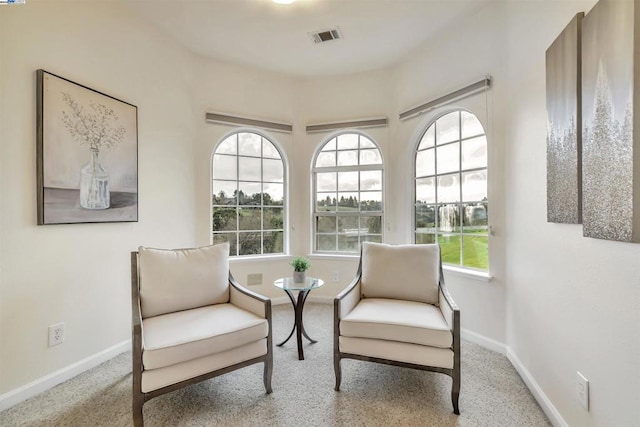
x,y
468,273
258,258
334,257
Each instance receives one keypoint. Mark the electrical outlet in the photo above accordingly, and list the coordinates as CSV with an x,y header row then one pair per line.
x,y
336,276
56,334
582,390
254,279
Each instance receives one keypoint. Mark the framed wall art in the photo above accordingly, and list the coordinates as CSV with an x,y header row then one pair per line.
x,y
87,154
611,131
564,125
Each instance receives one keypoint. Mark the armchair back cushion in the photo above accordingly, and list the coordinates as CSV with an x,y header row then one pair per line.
x,y
404,272
166,275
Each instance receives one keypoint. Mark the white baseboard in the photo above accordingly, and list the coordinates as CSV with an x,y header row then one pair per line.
x,y
280,301
483,341
40,385
542,399
320,299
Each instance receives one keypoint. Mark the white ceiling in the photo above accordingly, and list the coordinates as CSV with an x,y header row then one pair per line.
x,y
377,33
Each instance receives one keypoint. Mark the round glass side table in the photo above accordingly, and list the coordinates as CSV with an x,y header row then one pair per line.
x,y
289,286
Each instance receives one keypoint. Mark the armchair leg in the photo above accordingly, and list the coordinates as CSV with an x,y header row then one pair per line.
x,y
138,397
455,392
268,371
137,412
338,371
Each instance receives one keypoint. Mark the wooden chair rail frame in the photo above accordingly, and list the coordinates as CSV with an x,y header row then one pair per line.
x,y
140,397
455,347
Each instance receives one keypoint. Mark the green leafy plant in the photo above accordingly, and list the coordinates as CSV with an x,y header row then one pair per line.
x,y
300,263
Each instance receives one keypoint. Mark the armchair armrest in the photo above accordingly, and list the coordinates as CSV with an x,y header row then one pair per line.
x,y
260,306
248,300
451,313
343,303
348,298
136,316
447,305
136,327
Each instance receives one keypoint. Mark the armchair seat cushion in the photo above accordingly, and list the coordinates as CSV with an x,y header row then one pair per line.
x,y
190,334
397,320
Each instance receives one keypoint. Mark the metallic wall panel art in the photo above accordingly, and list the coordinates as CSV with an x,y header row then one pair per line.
x,y
564,126
611,142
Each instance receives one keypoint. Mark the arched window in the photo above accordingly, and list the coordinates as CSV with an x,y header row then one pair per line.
x,y
248,195
348,194
451,205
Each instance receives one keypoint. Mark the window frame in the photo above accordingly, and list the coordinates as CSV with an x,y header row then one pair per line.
x,y
315,214
460,268
285,195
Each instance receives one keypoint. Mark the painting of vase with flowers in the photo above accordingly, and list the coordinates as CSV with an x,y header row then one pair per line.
x,y
87,154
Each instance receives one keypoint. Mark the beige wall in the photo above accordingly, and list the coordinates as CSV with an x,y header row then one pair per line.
x,y
559,302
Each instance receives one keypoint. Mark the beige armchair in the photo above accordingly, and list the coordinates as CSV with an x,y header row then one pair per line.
x,y
192,321
397,311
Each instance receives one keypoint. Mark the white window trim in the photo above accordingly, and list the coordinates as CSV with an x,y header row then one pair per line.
x,y
334,257
420,130
470,273
240,259
285,161
314,170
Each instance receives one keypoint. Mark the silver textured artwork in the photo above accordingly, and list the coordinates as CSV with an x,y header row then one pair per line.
x,y
564,126
609,145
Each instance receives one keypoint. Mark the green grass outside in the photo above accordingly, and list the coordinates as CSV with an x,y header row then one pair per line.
x,y
475,250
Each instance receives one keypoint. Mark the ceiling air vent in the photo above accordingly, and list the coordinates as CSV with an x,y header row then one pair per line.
x,y
326,35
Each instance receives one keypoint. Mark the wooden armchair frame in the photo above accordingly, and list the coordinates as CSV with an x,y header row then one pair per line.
x,y
453,320
140,397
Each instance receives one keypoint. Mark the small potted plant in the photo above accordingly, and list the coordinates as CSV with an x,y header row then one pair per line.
x,y
300,266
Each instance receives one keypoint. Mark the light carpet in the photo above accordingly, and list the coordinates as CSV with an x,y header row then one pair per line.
x,y
492,393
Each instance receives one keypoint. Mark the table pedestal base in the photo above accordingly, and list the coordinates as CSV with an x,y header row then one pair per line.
x,y
298,326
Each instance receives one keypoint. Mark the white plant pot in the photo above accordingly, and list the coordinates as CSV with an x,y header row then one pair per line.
x,y
299,276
